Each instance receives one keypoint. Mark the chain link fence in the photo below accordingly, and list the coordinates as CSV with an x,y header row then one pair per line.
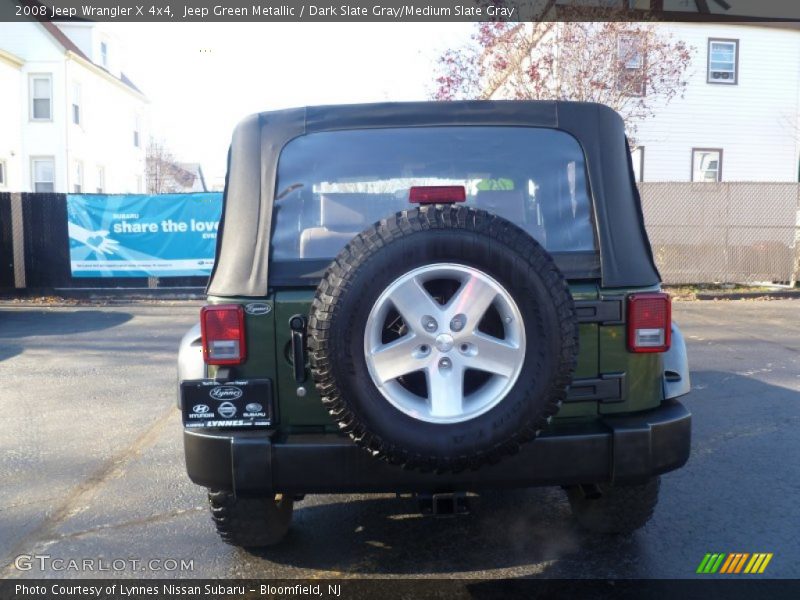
x,y
700,233
724,232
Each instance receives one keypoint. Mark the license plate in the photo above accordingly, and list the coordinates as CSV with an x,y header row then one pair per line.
x,y
241,404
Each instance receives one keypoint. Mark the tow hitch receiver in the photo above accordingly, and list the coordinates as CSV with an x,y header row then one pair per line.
x,y
444,504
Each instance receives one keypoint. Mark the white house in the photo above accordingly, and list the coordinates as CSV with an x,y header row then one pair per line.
x,y
70,120
738,120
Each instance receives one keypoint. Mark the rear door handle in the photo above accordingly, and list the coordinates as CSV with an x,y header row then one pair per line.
x,y
298,326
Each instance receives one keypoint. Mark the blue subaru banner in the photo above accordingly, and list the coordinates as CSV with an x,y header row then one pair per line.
x,y
166,235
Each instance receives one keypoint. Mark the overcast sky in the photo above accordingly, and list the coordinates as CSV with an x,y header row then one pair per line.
x,y
202,79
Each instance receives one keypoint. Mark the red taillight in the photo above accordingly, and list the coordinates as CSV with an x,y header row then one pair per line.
x,y
437,194
649,322
222,328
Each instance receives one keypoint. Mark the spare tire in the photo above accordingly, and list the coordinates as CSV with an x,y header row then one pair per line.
x,y
442,338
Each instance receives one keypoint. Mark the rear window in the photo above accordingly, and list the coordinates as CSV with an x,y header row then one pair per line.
x,y
332,185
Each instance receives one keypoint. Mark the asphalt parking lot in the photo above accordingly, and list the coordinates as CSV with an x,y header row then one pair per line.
x,y
91,466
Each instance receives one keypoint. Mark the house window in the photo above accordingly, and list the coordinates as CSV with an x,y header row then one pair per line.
x,y
41,97
723,61
77,184
44,172
707,164
136,128
76,103
631,77
3,175
101,179
637,158
104,54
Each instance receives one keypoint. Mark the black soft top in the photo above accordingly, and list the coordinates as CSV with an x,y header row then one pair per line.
x,y
242,266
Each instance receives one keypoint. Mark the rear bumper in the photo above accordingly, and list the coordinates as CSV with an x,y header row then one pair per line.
x,y
614,449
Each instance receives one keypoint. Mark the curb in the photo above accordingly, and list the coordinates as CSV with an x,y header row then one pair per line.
x,y
65,297
29,304
780,294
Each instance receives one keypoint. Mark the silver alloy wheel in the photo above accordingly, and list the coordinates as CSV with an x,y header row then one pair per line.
x,y
444,342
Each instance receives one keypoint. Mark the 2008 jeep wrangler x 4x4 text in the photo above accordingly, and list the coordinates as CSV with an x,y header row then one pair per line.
x,y
432,298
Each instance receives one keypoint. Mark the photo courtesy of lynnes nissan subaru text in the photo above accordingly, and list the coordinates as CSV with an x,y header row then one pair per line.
x,y
432,298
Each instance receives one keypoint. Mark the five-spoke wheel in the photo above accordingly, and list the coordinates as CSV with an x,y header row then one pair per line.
x,y
458,327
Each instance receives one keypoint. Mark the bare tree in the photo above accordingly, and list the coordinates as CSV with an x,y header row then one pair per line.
x,y
164,173
630,66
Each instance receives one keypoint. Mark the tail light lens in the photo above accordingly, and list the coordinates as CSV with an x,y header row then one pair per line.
x,y
437,194
649,322
222,329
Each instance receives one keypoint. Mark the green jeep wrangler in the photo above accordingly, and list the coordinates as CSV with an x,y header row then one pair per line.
x,y
432,298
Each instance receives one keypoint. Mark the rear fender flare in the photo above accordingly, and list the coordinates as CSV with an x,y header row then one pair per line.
x,y
676,367
190,359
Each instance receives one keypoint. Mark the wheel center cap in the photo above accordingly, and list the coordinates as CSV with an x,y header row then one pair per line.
x,y
444,342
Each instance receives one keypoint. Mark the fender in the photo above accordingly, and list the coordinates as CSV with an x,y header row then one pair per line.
x,y
190,359
676,367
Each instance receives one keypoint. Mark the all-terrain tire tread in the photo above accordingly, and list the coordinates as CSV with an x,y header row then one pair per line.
x,y
249,522
620,509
